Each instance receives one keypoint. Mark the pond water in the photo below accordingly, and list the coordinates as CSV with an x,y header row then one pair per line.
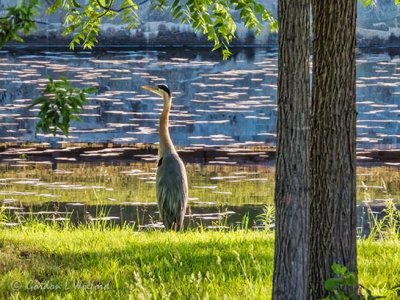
x,y
228,107
215,102
219,195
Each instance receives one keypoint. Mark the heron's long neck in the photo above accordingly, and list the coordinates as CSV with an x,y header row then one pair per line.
x,y
166,145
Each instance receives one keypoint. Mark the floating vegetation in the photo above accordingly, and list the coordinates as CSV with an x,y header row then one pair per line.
x,y
130,184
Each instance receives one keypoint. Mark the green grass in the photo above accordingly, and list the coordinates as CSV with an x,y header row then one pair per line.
x,y
141,265
45,262
379,266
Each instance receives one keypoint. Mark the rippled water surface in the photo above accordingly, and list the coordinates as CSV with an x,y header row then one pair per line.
x,y
215,103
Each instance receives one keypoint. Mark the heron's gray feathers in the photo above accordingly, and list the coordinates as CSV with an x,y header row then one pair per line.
x,y
172,190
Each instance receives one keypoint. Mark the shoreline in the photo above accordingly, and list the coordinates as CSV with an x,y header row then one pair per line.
x,y
29,153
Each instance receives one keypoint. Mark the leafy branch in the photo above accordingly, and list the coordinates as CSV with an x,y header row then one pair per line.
x,y
213,18
18,19
60,103
83,21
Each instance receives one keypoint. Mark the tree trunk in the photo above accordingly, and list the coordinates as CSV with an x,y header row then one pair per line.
x,y
292,162
333,156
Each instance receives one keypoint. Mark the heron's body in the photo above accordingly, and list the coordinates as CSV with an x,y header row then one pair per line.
x,y
171,179
172,190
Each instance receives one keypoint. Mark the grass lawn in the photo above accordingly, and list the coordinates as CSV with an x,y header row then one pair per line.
x,y
43,262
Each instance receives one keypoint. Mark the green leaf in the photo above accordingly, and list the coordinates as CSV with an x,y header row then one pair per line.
x,y
76,4
37,101
175,4
177,12
240,6
331,284
273,26
339,269
366,2
52,9
90,90
226,53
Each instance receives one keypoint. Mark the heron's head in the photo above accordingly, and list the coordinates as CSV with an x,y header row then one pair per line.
x,y
161,90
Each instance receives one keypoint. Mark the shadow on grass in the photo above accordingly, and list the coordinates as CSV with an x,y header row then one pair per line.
x,y
159,268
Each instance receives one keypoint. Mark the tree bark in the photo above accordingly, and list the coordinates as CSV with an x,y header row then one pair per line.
x,y
292,162
333,156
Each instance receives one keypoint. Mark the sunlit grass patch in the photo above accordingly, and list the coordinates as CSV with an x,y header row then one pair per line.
x,y
379,266
147,265
47,262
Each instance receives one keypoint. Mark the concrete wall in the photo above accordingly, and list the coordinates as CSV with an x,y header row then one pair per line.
x,y
377,26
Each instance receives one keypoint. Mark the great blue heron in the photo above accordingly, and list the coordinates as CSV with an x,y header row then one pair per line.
x,y
171,179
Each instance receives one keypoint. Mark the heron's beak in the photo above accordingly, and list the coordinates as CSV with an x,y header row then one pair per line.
x,y
152,89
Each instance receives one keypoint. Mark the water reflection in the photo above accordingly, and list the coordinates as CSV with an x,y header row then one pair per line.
x,y
132,184
220,196
215,103
138,215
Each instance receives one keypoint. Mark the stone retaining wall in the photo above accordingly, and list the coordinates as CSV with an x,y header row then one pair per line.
x,y
377,26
